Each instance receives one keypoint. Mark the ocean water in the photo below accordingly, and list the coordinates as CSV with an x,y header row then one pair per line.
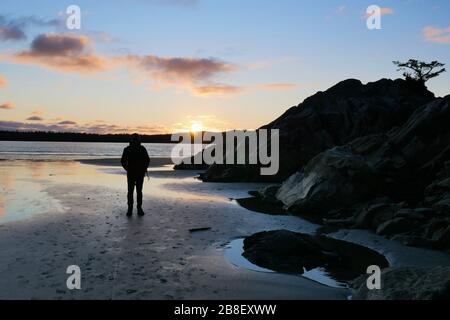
x,y
40,150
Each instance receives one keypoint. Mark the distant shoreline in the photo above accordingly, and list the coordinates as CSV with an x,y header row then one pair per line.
x,y
80,137
115,162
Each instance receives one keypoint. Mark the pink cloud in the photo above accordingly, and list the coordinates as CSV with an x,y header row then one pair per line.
x,y
215,89
7,105
11,33
74,53
387,11
3,82
383,11
35,118
279,86
67,53
179,69
432,34
193,74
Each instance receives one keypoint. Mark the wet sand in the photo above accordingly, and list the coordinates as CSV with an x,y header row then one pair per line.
x,y
154,257
78,218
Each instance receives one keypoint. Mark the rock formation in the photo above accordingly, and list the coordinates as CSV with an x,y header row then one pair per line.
x,y
332,118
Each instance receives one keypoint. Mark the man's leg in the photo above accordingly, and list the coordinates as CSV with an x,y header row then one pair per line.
x,y
139,185
131,182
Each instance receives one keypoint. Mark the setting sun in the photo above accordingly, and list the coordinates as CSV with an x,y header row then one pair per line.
x,y
196,127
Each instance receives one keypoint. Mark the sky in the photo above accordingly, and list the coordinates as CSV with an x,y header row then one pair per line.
x,y
158,66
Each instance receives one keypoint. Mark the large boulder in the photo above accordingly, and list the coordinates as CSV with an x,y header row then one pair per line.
x,y
398,165
407,283
327,119
333,179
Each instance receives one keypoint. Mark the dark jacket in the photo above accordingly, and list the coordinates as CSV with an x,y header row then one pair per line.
x,y
135,159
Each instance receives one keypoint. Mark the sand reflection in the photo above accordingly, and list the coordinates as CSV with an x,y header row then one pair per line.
x,y
24,185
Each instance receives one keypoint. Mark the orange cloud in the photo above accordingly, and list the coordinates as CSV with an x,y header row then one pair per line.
x,y
432,34
2,82
69,53
279,86
216,89
383,11
387,11
7,106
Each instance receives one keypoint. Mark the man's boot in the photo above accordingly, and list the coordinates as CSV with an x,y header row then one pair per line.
x,y
140,212
130,211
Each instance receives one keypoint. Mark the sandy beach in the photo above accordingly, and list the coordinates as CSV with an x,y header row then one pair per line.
x,y
61,213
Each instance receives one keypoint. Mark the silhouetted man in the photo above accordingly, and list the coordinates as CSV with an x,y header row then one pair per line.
x,y
135,161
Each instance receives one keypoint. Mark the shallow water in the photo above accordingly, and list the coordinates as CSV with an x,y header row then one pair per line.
x,y
235,249
22,193
24,185
43,150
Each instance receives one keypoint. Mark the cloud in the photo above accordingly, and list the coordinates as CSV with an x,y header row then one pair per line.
x,y
11,33
386,11
3,82
35,118
279,86
7,105
432,34
37,112
100,37
193,74
26,126
62,52
67,123
179,69
383,11
75,54
58,45
216,89
14,29
72,126
26,21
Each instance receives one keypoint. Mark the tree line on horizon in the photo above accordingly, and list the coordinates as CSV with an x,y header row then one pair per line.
x,y
78,137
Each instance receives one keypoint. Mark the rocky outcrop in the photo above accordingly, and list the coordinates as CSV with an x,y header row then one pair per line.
x,y
333,179
291,252
332,118
407,283
397,183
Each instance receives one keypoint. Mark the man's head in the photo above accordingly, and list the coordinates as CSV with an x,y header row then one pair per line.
x,y
135,139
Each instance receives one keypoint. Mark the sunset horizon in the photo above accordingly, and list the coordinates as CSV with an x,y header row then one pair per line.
x,y
112,76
